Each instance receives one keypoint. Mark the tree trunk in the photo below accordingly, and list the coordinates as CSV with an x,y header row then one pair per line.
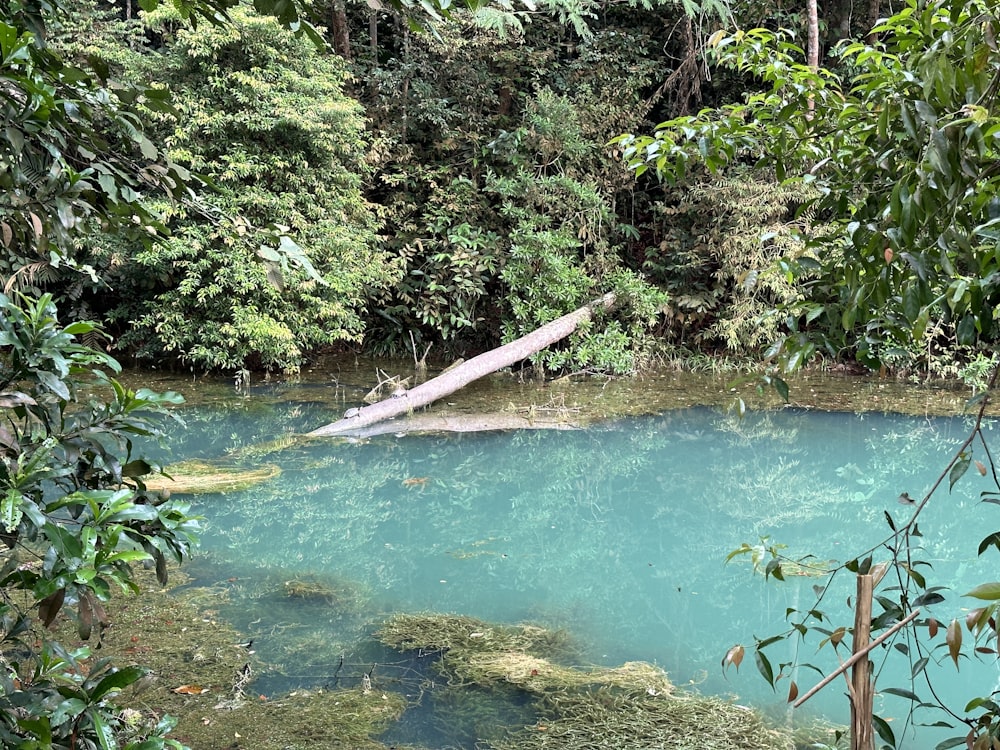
x,y
862,690
874,12
339,30
450,381
812,47
478,422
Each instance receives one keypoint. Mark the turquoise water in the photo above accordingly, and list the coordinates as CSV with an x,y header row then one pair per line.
x,y
618,534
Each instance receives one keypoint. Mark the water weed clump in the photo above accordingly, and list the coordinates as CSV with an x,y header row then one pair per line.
x,y
204,673
201,477
596,719
575,708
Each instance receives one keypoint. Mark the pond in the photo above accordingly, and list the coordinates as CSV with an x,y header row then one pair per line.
x,y
617,533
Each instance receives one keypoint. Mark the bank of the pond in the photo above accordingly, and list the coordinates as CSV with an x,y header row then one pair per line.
x,y
342,383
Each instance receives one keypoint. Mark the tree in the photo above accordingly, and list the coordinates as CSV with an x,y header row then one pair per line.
x,y
903,158
75,516
261,114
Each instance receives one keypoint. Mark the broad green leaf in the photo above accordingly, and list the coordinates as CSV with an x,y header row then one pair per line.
x,y
764,667
118,680
884,730
985,591
959,469
908,694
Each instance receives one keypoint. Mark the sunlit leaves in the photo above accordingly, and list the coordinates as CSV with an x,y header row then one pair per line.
x,y
986,591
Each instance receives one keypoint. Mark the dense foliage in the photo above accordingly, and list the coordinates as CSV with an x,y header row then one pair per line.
x,y
262,115
900,152
75,516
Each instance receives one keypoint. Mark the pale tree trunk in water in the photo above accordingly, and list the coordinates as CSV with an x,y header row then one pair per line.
x,y
451,380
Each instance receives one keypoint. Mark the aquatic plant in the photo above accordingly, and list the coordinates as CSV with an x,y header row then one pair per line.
x,y
577,708
201,477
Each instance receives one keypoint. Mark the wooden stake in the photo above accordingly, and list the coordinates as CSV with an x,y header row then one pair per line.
x,y
862,737
858,656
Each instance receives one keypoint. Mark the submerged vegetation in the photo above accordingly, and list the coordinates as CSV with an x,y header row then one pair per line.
x,y
194,477
631,706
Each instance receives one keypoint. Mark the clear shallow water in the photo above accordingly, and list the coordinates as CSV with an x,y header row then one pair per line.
x,y
618,534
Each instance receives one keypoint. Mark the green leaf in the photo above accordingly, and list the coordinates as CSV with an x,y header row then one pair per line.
x,y
985,591
993,540
54,384
908,694
884,730
764,667
960,467
781,387
118,680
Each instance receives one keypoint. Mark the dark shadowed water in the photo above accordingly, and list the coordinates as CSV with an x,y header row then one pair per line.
x,y
617,533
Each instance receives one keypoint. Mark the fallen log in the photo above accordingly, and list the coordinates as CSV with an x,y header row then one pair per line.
x,y
405,402
480,422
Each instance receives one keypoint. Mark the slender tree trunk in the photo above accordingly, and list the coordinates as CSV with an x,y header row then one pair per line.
x,y
862,690
450,381
338,28
373,36
405,93
874,13
812,47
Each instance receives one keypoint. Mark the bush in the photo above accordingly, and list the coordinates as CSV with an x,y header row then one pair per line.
x,y
75,516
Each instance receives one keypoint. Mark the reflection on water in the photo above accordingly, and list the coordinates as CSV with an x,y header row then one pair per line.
x,y
618,534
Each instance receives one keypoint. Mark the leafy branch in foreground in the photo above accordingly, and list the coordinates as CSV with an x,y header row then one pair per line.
x,y
75,517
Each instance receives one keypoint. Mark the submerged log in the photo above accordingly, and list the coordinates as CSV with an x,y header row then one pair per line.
x,y
451,380
479,422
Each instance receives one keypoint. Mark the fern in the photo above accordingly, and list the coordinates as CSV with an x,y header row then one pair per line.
x,y
502,22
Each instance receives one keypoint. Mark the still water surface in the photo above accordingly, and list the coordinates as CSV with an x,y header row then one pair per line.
x,y
618,533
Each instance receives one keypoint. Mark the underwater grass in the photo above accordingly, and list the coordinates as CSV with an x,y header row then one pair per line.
x,y
201,477
629,720
577,708
203,674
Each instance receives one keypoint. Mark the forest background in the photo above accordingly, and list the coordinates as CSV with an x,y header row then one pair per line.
x,y
239,197
217,187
